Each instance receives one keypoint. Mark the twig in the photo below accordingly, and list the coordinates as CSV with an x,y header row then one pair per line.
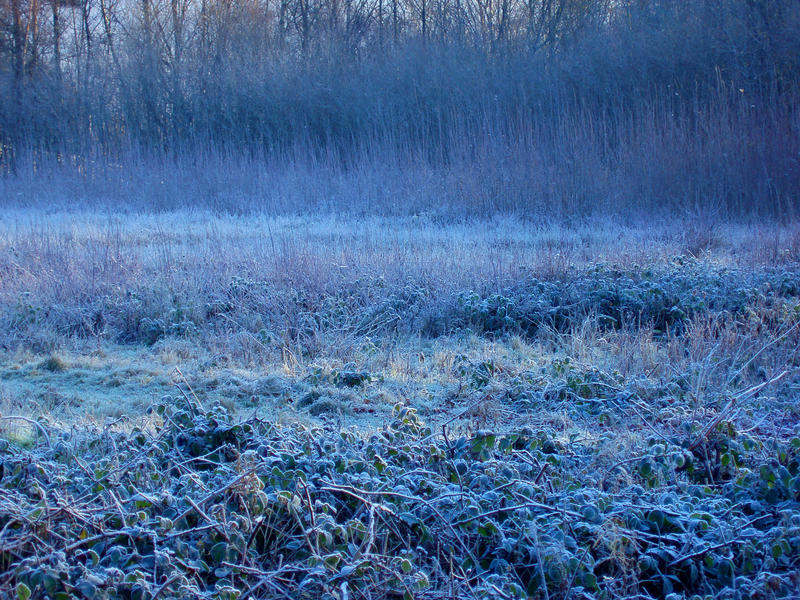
x,y
40,428
505,509
198,406
764,347
165,585
459,415
215,524
738,398
708,549
618,464
216,492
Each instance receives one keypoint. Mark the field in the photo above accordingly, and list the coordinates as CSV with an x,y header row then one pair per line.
x,y
199,405
399,299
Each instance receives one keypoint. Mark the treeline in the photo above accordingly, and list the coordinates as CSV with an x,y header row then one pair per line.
x,y
424,79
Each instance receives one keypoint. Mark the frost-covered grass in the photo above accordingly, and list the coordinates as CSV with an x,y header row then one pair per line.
x,y
124,299
638,380
105,276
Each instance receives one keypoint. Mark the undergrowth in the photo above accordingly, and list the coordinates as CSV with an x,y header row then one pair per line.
x,y
665,299
203,506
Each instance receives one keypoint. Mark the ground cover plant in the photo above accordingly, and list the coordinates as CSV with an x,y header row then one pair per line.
x,y
203,506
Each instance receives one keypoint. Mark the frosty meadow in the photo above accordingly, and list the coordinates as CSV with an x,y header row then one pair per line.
x,y
383,299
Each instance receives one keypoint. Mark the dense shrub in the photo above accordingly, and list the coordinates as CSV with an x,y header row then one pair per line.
x,y
664,298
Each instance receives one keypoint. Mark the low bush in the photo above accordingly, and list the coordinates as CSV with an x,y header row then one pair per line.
x,y
664,300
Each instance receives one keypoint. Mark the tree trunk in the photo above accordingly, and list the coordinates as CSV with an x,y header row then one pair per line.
x,y
55,5
17,48
394,21
424,17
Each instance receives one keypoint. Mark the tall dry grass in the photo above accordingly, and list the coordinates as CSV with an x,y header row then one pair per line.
x,y
728,157
634,107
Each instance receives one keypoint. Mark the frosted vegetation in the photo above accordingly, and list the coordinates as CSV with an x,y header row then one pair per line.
x,y
383,299
222,407
453,107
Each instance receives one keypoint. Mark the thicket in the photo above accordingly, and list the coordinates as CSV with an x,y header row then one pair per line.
x,y
513,104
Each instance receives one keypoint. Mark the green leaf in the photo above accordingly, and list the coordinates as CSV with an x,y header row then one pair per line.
x,y
409,518
87,588
217,552
23,591
406,566
777,550
332,560
422,582
657,517
50,583
589,581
